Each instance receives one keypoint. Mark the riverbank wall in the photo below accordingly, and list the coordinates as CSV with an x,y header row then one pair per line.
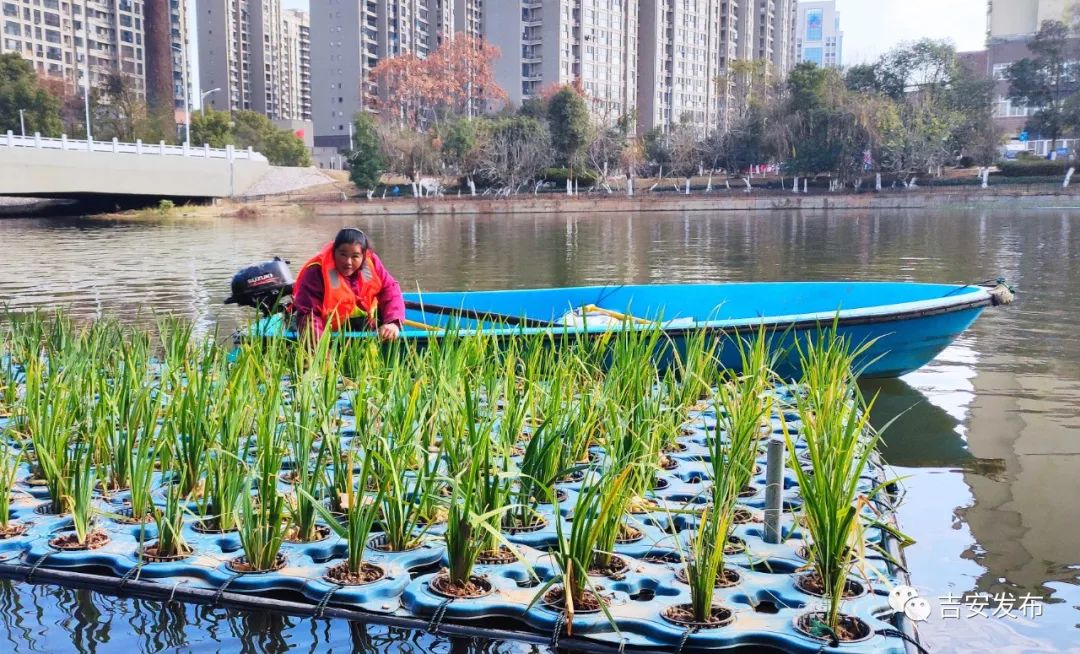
x,y
931,198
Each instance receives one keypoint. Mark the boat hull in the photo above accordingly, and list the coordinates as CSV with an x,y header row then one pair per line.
x,y
900,336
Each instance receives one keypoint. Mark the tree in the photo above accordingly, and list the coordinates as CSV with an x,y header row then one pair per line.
x,y
976,135
464,75
657,147
686,151
606,146
455,80
21,89
280,146
568,120
366,160
121,113
407,151
516,152
1046,80
213,128
462,145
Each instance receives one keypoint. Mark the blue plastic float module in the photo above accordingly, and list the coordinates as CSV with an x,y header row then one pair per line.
x,y
765,602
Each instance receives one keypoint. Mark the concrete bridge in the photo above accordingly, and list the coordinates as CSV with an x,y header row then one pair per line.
x,y
37,166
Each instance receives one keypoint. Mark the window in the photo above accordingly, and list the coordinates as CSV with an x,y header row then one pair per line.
x,y
814,21
815,55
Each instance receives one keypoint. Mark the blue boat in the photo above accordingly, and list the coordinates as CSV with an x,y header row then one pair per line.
x,y
906,324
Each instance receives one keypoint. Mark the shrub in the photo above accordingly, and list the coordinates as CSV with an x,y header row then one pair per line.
x,y
1034,167
584,176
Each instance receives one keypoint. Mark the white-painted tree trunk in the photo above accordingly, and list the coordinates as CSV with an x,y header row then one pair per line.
x,y
877,182
795,186
708,187
727,184
577,188
688,186
805,186
569,186
371,194
629,187
1068,177
912,183
472,186
746,180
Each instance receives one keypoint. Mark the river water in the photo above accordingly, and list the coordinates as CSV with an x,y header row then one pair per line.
x,y
988,438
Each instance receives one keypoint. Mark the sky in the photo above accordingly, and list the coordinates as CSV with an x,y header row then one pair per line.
x,y
872,27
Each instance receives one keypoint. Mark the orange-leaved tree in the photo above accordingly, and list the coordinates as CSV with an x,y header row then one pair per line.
x,y
455,80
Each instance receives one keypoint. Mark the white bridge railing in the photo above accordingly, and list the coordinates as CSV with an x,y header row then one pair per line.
x,y
39,142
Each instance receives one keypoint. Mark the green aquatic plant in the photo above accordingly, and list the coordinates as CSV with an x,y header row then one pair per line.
x,y
743,405
127,410
11,458
261,521
480,489
309,421
78,502
169,519
542,462
226,476
835,427
361,513
597,515
49,425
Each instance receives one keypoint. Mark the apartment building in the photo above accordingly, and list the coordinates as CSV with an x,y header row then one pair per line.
x,y
775,24
296,65
819,38
685,47
1011,24
179,53
350,37
240,53
592,44
70,39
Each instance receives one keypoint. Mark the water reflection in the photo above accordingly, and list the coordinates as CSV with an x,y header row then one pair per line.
x,y
86,622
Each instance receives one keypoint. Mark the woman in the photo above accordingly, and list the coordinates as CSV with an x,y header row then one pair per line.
x,y
346,280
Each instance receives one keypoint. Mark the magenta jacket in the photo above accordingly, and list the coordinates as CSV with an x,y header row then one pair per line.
x,y
307,299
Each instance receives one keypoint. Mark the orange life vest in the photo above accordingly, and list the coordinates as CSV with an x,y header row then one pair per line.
x,y
339,302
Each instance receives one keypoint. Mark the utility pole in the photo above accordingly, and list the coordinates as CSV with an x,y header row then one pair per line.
x,y
22,123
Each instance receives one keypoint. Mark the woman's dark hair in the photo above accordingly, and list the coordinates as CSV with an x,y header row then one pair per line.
x,y
352,236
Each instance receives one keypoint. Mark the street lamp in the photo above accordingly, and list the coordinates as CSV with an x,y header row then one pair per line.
x,y
202,99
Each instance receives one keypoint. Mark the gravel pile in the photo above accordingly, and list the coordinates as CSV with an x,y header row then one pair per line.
x,y
280,179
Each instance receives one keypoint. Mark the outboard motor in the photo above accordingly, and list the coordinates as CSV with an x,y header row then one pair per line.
x,y
263,286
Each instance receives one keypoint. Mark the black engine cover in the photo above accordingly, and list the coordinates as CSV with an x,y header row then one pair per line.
x,y
263,286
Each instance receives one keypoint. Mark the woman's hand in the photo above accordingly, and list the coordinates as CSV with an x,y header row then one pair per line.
x,y
389,332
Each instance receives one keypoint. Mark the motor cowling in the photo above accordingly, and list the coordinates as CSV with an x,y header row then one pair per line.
x,y
264,286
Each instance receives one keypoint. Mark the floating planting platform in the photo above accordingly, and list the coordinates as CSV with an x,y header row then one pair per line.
x,y
575,494
765,596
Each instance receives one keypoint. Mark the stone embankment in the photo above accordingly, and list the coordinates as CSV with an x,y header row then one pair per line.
x,y
926,198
